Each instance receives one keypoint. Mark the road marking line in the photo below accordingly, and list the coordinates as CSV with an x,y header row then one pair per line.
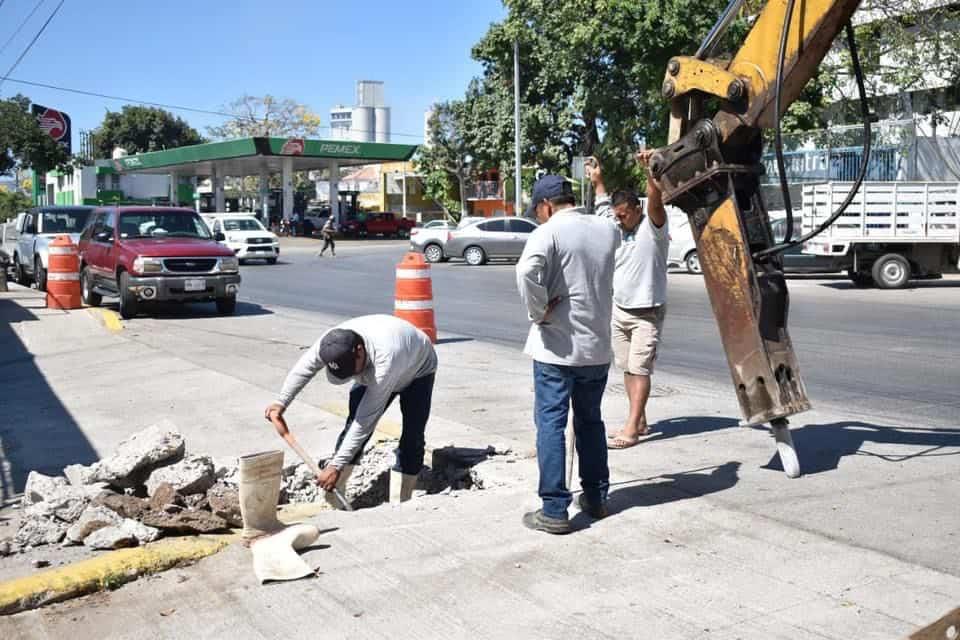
x,y
109,319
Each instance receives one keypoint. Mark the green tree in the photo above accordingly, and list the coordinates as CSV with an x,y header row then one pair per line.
x,y
139,129
12,203
591,73
267,116
22,142
903,46
445,160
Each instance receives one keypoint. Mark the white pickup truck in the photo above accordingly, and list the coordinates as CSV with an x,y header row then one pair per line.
x,y
33,231
892,232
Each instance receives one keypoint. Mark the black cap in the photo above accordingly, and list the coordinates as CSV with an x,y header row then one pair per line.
x,y
546,188
338,352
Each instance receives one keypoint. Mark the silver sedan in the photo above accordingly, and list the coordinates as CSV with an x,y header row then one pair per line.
x,y
489,238
430,239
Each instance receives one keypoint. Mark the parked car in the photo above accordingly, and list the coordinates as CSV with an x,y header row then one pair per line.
x,y
35,229
246,236
154,254
431,238
683,249
491,238
386,223
352,227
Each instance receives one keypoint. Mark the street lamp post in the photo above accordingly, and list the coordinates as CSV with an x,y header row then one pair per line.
x,y
516,124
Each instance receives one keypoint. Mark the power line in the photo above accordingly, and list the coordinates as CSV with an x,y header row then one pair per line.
x,y
20,28
171,107
32,42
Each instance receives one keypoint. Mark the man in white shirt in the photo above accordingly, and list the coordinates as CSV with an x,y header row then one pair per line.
x,y
639,293
565,278
385,357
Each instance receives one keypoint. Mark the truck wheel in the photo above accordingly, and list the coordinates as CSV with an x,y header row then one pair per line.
x,y
128,299
40,275
89,296
474,256
271,261
22,278
433,253
860,279
692,262
226,306
891,271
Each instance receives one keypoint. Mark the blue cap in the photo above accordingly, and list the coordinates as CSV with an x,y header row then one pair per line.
x,y
546,188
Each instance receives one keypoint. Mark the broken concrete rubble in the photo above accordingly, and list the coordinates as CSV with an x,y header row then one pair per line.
x,y
93,517
189,521
224,501
138,455
128,533
38,530
192,475
126,506
165,496
40,488
80,475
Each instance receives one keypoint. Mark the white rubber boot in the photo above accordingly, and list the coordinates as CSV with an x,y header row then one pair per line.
x,y
345,472
274,545
260,492
401,486
275,557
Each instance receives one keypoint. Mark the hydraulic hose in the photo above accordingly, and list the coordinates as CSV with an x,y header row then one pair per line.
x,y
864,162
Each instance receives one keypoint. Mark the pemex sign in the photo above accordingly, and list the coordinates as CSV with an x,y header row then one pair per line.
x,y
55,124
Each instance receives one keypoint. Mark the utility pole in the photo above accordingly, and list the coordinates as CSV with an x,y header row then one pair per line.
x,y
516,124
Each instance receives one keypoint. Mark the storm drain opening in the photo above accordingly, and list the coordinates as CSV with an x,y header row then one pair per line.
x,y
446,469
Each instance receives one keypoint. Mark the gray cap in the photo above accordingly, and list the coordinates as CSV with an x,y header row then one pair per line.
x,y
338,351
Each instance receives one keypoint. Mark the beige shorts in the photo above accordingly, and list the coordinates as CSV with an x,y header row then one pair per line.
x,y
636,335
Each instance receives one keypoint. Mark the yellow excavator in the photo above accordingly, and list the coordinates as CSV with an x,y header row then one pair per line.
x,y
711,169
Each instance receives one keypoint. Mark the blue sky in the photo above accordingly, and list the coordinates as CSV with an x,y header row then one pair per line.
x,y
204,53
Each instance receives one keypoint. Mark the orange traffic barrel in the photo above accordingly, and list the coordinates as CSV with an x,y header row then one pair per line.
x,y
63,274
414,294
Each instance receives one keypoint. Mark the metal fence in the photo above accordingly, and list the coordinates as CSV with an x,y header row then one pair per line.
x,y
836,154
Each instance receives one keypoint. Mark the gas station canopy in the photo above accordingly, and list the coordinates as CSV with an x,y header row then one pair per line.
x,y
251,156
260,157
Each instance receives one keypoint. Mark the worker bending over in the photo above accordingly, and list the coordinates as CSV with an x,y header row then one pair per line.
x,y
385,357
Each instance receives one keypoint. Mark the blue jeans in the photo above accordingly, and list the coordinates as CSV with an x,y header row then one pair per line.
x,y
415,406
555,387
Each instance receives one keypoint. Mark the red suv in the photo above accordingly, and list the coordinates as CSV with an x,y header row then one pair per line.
x,y
148,254
388,224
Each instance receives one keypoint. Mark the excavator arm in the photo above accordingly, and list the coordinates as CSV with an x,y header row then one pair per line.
x,y
711,169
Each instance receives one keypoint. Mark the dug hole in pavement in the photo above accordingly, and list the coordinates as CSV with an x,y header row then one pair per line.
x,y
706,535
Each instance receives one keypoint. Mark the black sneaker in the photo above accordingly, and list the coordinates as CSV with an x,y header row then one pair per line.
x,y
538,521
597,512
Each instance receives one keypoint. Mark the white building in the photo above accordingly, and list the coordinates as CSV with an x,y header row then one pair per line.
x,y
102,184
367,121
341,123
924,67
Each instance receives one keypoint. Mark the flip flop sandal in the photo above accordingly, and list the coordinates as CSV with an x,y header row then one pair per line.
x,y
620,442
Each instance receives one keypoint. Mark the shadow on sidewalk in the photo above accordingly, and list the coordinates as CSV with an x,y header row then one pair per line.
x,y
687,426
174,311
37,432
820,447
676,486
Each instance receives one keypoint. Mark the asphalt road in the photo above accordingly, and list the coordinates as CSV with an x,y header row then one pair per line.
x,y
888,352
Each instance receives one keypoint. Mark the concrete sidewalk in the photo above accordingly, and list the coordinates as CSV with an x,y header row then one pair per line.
x,y
706,534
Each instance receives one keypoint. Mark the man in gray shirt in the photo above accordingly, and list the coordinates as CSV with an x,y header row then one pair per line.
x,y
639,293
385,357
565,278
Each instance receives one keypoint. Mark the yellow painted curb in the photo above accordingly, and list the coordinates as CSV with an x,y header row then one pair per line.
x,y
107,571
115,568
109,319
